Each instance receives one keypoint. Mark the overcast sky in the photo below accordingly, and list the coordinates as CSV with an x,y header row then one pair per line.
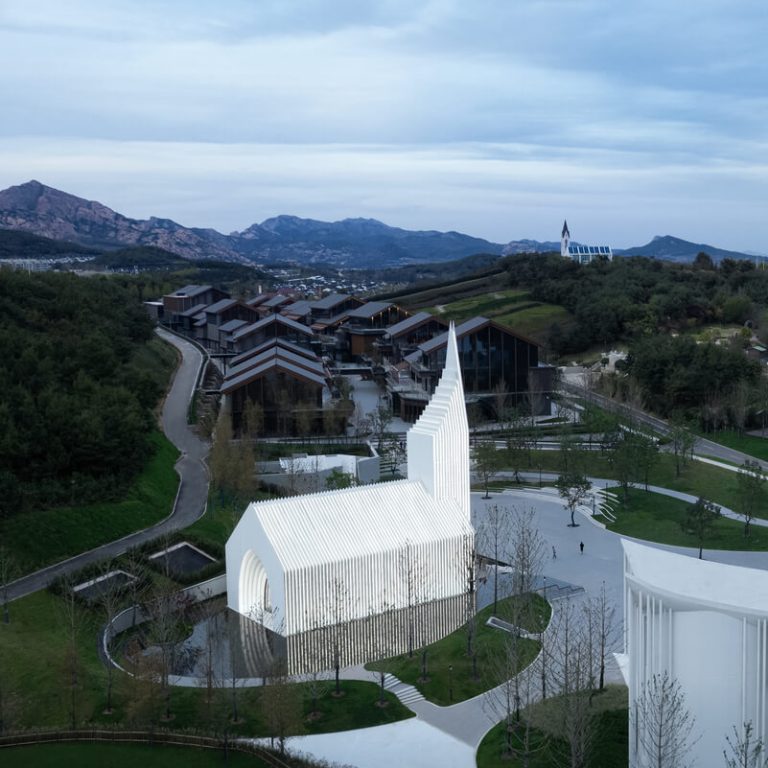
x,y
498,118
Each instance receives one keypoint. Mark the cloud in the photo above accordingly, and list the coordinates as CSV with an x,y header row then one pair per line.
x,y
489,116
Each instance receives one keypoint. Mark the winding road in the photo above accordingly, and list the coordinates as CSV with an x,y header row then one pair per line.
x,y
193,473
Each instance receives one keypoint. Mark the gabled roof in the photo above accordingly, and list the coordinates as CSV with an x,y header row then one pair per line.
x,y
275,351
410,323
221,306
472,325
265,322
232,325
192,311
278,341
190,291
346,524
277,301
370,309
273,364
320,323
330,301
255,301
298,308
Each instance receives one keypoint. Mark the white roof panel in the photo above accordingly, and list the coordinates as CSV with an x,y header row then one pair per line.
x,y
355,522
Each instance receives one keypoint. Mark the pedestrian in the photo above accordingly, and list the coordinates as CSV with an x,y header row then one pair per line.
x,y
554,552
581,547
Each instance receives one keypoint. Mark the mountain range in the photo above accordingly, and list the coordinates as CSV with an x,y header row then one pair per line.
x,y
351,243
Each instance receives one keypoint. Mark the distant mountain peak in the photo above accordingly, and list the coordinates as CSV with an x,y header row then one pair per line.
x,y
352,242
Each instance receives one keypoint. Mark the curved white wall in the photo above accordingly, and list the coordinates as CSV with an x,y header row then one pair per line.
x,y
706,624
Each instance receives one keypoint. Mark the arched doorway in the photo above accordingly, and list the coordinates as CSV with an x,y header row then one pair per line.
x,y
255,594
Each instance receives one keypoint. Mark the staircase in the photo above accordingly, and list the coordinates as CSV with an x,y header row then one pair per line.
x,y
407,694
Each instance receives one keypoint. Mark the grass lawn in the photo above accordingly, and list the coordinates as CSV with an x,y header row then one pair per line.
x,y
47,536
35,685
96,755
609,738
750,444
651,516
451,651
698,479
511,307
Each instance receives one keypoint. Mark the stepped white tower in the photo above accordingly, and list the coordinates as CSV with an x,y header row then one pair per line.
x,y
298,563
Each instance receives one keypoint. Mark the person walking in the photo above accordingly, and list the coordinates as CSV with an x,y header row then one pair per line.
x,y
554,552
581,547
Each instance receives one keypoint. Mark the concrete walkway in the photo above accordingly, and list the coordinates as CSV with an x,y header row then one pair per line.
x,y
448,736
193,473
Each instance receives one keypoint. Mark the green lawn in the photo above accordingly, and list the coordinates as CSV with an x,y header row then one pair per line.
x,y
511,307
43,537
447,686
96,755
750,444
697,479
654,517
609,737
35,685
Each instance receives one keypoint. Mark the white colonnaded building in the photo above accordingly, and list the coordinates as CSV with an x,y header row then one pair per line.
x,y
298,563
706,625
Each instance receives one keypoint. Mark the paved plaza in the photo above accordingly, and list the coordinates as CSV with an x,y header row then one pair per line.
x,y
447,737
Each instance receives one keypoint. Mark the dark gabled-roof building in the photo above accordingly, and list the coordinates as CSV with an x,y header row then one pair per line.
x,y
287,384
270,327
219,319
186,298
404,337
367,323
495,362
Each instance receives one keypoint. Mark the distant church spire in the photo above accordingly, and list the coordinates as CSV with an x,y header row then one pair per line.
x,y
565,239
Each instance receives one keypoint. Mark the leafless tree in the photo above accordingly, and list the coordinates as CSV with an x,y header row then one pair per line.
x,y
338,630
166,609
534,400
750,490
380,418
527,551
487,463
412,577
516,692
495,535
8,572
574,677
71,615
281,705
518,442
661,724
110,597
604,630
10,701
746,750
253,420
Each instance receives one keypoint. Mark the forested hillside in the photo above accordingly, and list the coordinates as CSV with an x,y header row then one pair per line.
x,y
77,389
631,298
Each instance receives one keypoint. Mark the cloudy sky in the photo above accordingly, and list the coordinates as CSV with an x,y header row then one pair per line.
x,y
498,118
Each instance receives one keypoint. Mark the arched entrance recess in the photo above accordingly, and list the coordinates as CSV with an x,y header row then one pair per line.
x,y
255,599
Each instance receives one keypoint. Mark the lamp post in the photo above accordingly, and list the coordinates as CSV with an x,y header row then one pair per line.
x,y
450,682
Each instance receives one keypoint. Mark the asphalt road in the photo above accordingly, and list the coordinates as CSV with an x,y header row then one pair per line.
x,y
703,447
191,467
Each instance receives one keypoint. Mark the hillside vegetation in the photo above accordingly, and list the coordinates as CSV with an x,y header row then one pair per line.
x,y
78,386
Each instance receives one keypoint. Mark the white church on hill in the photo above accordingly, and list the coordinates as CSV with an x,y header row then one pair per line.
x,y
298,563
582,254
